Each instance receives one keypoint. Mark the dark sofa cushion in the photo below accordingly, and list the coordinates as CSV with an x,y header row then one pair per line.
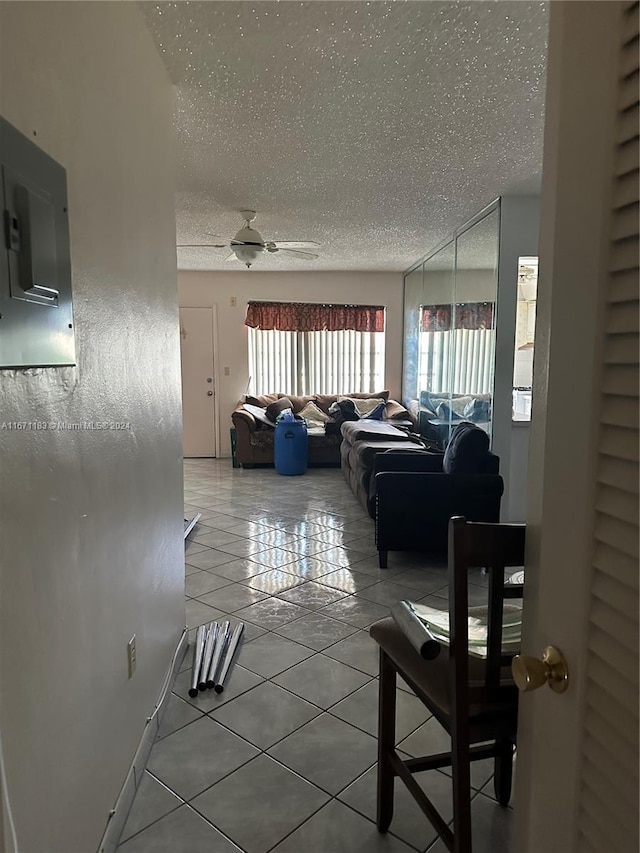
x,y
362,430
344,410
274,409
261,402
467,450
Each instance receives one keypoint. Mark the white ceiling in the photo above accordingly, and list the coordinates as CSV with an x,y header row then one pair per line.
x,y
374,128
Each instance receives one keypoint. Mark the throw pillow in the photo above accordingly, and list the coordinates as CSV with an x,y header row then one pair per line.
x,y
344,410
459,402
478,411
259,413
311,412
374,395
446,413
430,402
262,402
274,409
363,405
299,403
396,412
377,413
324,401
466,451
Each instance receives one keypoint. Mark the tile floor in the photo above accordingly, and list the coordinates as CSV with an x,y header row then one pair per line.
x,y
284,759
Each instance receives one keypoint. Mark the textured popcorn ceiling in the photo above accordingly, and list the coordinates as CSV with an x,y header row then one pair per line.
x,y
373,128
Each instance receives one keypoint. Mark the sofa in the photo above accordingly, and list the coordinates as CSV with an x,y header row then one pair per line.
x,y
415,494
362,443
437,413
254,420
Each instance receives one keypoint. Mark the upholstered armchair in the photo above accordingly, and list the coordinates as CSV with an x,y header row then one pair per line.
x,y
417,493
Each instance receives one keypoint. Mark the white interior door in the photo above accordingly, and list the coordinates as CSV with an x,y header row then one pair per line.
x,y
577,779
198,381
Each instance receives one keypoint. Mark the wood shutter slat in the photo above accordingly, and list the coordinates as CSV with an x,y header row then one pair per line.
x,y
622,318
625,193
620,473
618,567
616,503
626,157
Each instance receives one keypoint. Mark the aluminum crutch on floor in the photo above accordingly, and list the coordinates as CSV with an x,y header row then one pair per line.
x,y
209,646
198,651
223,637
233,645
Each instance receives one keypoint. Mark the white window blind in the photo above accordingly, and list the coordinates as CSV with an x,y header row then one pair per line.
x,y
608,816
315,362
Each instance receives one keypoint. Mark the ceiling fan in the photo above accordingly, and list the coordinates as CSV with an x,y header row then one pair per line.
x,y
248,244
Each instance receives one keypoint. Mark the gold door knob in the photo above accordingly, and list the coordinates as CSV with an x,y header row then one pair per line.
x,y
531,673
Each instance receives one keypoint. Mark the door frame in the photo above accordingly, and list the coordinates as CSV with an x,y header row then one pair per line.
x,y
575,205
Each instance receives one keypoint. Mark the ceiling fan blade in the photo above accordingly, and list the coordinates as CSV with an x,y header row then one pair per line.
x,y
216,237
295,252
231,257
294,244
202,245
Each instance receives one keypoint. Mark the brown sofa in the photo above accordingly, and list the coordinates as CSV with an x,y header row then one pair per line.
x,y
254,439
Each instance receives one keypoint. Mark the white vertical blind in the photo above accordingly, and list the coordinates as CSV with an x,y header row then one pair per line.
x,y
608,816
460,361
315,362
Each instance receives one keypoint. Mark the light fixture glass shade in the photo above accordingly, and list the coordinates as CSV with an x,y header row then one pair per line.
x,y
247,254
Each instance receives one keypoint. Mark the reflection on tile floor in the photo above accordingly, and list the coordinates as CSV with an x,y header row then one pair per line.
x,y
284,759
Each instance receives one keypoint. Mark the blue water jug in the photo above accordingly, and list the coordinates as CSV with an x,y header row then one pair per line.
x,y
290,450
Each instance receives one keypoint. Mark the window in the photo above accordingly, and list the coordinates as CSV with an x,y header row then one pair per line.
x,y
303,359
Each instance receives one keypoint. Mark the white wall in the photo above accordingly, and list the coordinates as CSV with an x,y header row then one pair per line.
x,y
519,225
91,530
518,471
203,289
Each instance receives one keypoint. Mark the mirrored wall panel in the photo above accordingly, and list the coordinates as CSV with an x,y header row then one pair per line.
x,y
410,355
454,336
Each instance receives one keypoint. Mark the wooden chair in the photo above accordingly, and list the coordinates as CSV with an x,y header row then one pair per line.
x,y
474,699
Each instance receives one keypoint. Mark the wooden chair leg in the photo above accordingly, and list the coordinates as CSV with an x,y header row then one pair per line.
x,y
461,773
383,557
386,741
503,772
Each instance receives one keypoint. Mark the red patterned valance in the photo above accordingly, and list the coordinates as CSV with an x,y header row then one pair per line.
x,y
309,317
468,315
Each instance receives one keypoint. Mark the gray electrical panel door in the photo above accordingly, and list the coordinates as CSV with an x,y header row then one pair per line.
x,y
36,317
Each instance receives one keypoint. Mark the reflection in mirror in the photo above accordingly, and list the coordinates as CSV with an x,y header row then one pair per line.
x,y
457,332
435,374
412,302
474,337
525,335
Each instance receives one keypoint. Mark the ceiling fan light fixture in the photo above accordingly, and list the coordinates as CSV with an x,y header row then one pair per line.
x,y
249,235
247,254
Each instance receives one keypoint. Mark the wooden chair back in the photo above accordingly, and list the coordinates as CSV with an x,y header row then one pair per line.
x,y
494,547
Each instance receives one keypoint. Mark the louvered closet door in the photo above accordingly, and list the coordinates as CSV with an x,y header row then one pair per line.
x,y
577,785
608,816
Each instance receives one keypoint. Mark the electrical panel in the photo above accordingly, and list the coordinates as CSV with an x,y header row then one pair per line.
x,y
36,309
